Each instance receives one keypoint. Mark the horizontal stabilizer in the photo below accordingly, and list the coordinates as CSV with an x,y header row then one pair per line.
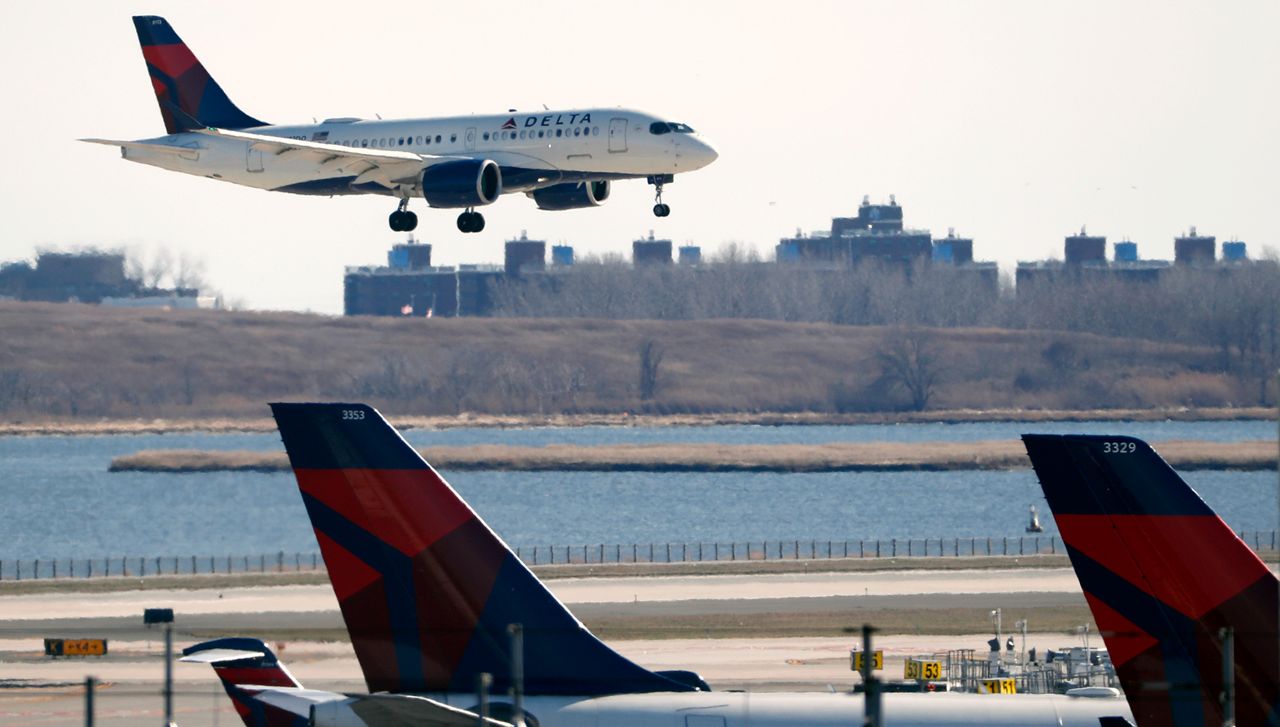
x,y
147,146
218,656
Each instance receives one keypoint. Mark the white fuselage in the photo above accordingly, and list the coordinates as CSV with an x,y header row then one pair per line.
x,y
779,709
534,150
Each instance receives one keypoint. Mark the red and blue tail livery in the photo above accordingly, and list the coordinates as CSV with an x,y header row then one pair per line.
x,y
1163,576
252,677
427,590
189,97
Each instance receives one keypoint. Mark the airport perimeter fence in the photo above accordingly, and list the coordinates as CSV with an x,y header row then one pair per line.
x,y
1260,541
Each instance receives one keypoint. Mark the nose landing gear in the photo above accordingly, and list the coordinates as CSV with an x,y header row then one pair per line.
x,y
658,180
470,221
402,220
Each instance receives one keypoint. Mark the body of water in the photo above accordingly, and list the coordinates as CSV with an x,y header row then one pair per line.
x,y
60,501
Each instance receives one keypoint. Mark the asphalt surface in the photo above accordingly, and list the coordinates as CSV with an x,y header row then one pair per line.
x,y
36,690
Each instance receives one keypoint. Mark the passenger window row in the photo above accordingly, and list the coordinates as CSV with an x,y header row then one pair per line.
x,y
393,141
541,133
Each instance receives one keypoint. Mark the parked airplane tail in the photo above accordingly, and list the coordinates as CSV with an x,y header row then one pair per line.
x,y
427,590
1164,576
189,97
248,670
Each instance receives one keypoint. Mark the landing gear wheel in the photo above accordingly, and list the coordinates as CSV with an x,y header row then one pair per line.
x,y
402,220
658,180
470,221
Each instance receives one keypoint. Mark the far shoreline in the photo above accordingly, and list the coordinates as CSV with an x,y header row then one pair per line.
x,y
227,425
706,457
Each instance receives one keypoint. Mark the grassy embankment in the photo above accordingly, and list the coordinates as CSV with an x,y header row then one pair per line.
x,y
103,369
224,425
839,457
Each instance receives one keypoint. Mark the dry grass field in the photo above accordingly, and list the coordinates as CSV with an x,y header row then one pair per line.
x,y
86,364
703,457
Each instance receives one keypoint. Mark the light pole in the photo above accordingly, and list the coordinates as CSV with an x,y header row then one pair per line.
x,y
995,619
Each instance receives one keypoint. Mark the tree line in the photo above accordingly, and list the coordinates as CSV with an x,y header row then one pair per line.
x,y
1233,309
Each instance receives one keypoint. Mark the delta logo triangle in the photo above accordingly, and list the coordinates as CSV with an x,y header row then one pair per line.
x,y
511,123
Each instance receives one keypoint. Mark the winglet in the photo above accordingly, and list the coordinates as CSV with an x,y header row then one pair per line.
x,y
427,590
1163,574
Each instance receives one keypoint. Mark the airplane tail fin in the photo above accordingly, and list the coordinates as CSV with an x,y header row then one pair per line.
x,y
427,590
245,667
189,97
1163,575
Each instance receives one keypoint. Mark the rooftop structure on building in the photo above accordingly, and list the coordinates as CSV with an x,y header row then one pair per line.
x,y
952,249
523,255
651,251
1194,249
879,233
1084,259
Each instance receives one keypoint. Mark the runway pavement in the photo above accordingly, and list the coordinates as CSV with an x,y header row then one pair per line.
x,y
35,690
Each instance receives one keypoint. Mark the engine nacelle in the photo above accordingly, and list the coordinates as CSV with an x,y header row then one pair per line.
x,y
571,195
464,183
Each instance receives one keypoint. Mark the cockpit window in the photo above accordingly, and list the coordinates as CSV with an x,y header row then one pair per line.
x,y
667,127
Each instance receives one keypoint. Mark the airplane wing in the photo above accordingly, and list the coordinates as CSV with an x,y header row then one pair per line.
x,y
383,166
404,709
292,700
173,149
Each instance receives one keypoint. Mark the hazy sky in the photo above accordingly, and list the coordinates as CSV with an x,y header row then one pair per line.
x,y
1014,122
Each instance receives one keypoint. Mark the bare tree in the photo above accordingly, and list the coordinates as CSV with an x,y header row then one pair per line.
x,y
160,267
650,363
908,362
188,272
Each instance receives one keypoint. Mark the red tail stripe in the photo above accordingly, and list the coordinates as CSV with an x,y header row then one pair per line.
x,y
347,573
408,509
174,60
1125,639
1190,562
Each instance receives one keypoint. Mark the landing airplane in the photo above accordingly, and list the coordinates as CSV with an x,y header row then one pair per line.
x,y
562,159
428,591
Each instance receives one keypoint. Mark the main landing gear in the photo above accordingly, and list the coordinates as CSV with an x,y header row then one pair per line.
x,y
402,220
470,221
657,180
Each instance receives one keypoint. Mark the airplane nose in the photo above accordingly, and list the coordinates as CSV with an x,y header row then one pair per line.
x,y
705,152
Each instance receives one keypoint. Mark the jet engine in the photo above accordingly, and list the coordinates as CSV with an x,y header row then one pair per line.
x,y
571,195
463,183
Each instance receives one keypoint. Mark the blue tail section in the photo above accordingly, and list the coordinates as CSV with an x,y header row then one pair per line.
x,y
1163,576
189,97
427,590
